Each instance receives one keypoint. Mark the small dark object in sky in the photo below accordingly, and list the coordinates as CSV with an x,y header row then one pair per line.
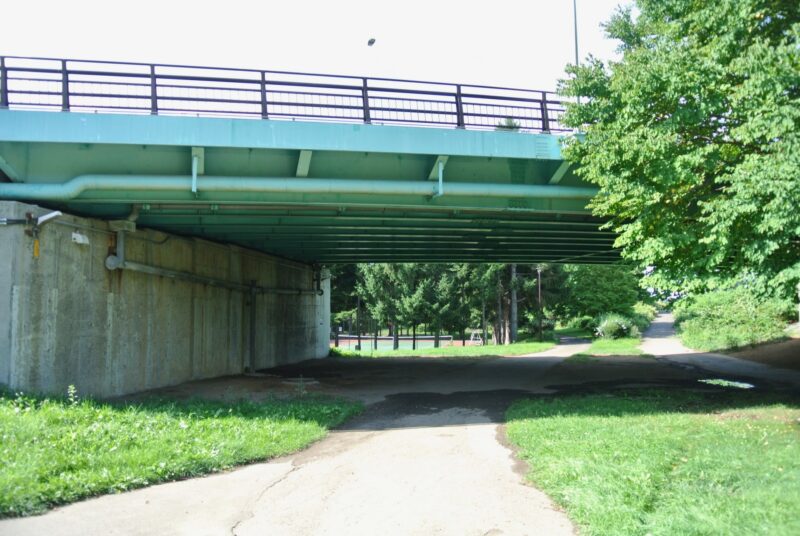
x,y
371,41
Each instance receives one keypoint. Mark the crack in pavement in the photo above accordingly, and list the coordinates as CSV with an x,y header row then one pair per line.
x,y
250,513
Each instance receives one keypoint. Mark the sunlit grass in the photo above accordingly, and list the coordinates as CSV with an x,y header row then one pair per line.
x,y
520,348
665,462
55,451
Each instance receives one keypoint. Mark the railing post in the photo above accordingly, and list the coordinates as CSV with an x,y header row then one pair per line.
x,y
459,109
545,117
153,91
264,114
4,80
64,87
365,100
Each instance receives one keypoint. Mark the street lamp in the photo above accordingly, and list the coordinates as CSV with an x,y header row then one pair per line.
x,y
574,28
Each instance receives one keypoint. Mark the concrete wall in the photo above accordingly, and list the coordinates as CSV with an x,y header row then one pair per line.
x,y
65,319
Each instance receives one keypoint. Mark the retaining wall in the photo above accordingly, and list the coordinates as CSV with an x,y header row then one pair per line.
x,y
66,319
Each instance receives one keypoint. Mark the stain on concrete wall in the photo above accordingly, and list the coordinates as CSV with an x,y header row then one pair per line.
x,y
65,319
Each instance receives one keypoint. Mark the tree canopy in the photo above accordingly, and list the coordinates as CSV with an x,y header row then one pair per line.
x,y
694,140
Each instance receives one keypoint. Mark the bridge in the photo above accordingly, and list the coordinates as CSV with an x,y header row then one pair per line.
x,y
162,223
316,168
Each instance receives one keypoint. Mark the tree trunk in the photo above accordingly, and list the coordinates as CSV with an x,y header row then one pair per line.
x,y
514,321
395,337
483,321
506,325
498,333
414,337
436,339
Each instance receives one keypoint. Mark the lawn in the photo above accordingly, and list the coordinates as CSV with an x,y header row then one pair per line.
x,y
623,346
573,332
603,347
56,451
655,462
519,348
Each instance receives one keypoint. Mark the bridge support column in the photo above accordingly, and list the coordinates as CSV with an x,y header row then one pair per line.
x,y
179,309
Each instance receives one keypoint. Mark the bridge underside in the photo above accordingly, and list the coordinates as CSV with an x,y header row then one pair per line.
x,y
312,192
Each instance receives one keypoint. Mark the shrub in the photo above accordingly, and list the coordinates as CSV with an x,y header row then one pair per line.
x,y
728,319
614,326
642,315
582,322
596,289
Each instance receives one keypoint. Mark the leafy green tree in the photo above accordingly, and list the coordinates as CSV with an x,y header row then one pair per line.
x,y
379,286
694,140
593,290
414,288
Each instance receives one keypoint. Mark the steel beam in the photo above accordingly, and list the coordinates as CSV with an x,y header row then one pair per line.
x,y
559,173
303,163
440,162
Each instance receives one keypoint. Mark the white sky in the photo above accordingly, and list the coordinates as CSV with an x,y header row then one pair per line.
x,y
513,43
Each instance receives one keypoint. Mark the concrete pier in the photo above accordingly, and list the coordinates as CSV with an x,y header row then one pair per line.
x,y
65,319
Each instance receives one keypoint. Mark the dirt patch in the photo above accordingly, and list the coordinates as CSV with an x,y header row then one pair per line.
x,y
784,354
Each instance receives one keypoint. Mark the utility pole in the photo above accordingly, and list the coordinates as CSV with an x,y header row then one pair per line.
x,y
575,28
541,310
358,321
575,33
514,316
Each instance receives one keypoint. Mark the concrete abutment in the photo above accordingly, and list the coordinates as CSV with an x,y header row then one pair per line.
x,y
65,319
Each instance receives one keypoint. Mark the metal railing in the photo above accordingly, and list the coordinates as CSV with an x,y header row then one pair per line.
x,y
122,87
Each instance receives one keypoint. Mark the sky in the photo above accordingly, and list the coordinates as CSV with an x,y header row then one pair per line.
x,y
512,43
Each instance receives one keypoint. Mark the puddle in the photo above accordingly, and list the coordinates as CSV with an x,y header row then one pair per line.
x,y
727,383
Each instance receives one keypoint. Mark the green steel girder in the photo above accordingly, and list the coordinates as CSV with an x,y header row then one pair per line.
x,y
315,192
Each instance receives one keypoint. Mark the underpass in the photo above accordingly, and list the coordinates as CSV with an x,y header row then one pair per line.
x,y
169,223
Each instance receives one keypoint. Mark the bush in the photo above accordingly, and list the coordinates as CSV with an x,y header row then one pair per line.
x,y
729,319
597,289
614,326
642,315
582,322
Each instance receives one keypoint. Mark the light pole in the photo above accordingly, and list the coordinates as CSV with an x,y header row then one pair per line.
x,y
575,28
541,310
575,33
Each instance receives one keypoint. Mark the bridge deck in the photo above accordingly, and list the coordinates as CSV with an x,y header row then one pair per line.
x,y
324,187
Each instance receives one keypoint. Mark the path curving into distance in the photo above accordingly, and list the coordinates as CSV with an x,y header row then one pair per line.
x,y
428,455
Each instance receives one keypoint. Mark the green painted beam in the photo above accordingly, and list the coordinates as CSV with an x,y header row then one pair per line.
x,y
367,198
303,163
372,221
559,173
74,127
291,228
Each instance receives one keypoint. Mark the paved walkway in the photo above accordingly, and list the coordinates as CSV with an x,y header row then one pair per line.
x,y
428,456
566,347
660,340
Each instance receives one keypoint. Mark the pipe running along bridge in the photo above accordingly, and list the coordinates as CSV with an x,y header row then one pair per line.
x,y
314,168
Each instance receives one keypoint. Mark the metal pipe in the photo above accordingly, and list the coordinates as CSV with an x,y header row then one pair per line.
x,y
125,184
252,329
118,262
440,191
194,174
185,276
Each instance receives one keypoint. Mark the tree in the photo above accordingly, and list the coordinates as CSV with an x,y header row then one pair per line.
x,y
593,290
694,140
378,285
414,286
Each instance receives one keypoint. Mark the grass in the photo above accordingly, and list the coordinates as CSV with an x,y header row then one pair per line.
x,y
622,346
519,348
730,319
56,451
573,332
625,346
664,461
